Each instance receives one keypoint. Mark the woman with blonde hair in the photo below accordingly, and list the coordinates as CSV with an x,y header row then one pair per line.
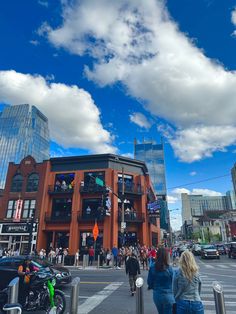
x,y
187,286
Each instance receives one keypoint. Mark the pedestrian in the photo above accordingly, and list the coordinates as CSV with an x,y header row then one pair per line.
x,y
91,255
187,286
133,270
114,252
77,258
160,278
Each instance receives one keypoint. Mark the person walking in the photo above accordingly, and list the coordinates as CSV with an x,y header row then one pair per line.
x,y
187,286
91,255
132,269
160,279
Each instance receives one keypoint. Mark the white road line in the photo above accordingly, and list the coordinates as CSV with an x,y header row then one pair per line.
x,y
208,266
222,266
226,296
227,303
214,312
97,298
223,285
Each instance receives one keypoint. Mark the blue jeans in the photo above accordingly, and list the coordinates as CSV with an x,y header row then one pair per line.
x,y
189,307
164,308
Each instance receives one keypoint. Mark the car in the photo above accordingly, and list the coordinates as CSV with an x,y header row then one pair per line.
x,y
209,251
232,250
221,249
9,267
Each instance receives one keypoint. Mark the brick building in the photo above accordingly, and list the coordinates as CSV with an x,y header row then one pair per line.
x,y
68,201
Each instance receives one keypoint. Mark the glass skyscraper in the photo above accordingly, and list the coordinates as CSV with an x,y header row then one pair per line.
x,y
153,155
23,131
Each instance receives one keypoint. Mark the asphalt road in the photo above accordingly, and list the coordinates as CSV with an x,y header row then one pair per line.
x,y
107,290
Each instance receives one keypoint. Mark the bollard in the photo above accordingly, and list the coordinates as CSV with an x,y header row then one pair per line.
x,y
84,261
112,261
219,298
87,260
13,290
98,261
74,295
139,295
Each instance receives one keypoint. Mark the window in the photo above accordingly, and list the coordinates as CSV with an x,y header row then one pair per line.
x,y
28,209
64,182
89,181
32,183
93,204
17,183
61,208
11,208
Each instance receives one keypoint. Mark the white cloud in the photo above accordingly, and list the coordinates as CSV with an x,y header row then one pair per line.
x,y
34,42
233,16
192,173
139,44
74,119
172,199
128,155
43,3
140,119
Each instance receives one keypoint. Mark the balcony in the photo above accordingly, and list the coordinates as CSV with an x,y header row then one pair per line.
x,y
56,220
91,188
133,217
55,189
131,188
83,217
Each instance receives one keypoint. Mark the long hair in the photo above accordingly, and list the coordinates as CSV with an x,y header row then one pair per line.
x,y
188,265
162,259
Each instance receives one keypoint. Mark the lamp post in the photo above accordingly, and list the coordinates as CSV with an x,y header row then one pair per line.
x,y
31,223
122,229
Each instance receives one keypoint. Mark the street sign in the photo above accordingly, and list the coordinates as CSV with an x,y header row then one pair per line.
x,y
99,182
95,231
123,225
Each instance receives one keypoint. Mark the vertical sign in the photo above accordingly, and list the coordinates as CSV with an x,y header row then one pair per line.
x,y
17,216
95,231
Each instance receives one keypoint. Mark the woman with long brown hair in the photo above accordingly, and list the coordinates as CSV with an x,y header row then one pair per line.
x,y
187,286
160,277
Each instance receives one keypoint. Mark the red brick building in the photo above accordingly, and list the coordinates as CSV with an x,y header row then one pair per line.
x,y
68,201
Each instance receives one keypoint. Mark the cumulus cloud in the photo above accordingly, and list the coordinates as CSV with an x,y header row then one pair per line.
x,y
74,119
140,119
192,173
175,195
138,43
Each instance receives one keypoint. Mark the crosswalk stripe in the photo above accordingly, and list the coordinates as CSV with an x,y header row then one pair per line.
x,y
223,266
214,312
227,303
226,296
209,266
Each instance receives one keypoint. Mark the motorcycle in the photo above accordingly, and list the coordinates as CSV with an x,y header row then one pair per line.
x,y
43,296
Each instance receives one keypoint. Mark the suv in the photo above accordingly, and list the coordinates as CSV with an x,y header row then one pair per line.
x,y
9,270
209,251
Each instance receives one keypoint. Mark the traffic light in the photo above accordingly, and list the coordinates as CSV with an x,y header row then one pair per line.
x,y
106,201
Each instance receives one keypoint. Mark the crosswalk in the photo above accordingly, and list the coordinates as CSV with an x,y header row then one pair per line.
x,y
208,296
220,266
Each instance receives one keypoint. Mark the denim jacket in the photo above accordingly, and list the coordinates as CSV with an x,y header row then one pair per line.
x,y
184,289
161,283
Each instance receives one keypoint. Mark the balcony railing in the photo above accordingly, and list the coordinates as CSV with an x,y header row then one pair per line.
x,y
83,217
57,220
132,217
94,188
131,188
54,189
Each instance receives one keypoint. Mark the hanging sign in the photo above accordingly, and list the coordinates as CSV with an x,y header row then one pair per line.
x,y
17,215
95,231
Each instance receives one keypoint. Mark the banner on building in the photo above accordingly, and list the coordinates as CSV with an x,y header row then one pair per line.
x,y
153,209
17,215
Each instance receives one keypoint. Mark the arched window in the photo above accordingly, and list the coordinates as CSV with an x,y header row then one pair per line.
x,y
17,182
32,183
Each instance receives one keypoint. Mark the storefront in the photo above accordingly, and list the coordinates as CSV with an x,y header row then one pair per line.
x,y
15,236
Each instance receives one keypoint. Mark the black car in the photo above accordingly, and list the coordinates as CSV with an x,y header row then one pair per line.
x,y
232,250
9,270
221,249
209,251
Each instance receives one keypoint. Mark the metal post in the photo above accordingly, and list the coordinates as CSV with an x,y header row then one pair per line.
x,y
219,298
122,208
84,261
112,261
63,259
74,295
13,289
139,295
98,261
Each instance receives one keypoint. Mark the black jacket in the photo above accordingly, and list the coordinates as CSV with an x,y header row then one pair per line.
x,y
132,266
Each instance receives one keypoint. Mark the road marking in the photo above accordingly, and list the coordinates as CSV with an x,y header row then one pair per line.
x,y
226,296
96,282
208,266
214,312
227,303
97,298
222,266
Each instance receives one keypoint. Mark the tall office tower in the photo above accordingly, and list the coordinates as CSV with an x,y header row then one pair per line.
x,y
233,176
23,131
153,155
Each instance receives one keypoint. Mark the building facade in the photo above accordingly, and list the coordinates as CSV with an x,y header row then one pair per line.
x,y
68,202
153,155
23,131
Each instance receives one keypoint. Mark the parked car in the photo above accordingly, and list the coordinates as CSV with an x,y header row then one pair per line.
x,y
232,250
209,251
9,267
221,249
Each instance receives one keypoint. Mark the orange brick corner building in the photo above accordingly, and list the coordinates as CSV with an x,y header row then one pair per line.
x,y
68,201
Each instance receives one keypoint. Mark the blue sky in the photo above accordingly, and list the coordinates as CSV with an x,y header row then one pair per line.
x,y
105,72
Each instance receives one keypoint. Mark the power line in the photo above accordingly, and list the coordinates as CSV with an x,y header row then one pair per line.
x,y
205,180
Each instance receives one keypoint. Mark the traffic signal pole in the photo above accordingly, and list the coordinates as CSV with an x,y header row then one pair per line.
x,y
122,229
